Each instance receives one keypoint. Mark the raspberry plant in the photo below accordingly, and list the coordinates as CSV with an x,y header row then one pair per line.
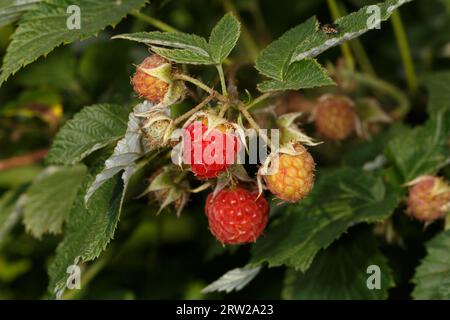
x,y
163,155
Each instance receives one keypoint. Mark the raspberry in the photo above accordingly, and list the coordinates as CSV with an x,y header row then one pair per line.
x,y
209,152
157,130
152,88
294,177
429,199
236,215
334,117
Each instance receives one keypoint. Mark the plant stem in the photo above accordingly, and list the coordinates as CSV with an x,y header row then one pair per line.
x,y
224,108
403,105
253,123
362,57
222,80
23,160
335,14
258,100
249,117
405,51
193,110
154,22
358,49
447,222
201,85
247,38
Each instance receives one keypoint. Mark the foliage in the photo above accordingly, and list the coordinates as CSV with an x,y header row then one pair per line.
x,y
67,91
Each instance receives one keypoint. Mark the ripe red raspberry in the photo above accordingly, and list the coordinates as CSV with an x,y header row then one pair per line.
x,y
335,118
209,153
429,199
236,215
294,178
150,87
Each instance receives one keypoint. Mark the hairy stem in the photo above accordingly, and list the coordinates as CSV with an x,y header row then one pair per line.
x,y
403,105
23,160
261,98
249,117
193,110
222,80
224,108
241,107
405,51
360,53
201,85
158,24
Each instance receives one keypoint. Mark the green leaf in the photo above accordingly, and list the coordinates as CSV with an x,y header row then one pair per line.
x,y
11,208
12,10
432,278
368,151
177,40
275,59
340,273
15,177
421,150
340,199
350,27
306,41
50,198
127,151
58,70
91,129
183,56
44,27
233,280
189,48
184,48
300,75
88,231
439,93
224,37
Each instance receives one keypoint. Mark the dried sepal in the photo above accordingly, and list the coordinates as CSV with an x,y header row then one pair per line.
x,y
168,187
291,133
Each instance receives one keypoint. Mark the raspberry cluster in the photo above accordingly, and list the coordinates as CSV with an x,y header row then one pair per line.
x,y
211,141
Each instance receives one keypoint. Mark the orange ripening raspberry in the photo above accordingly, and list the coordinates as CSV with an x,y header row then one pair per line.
x,y
428,199
237,216
149,87
335,118
294,178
